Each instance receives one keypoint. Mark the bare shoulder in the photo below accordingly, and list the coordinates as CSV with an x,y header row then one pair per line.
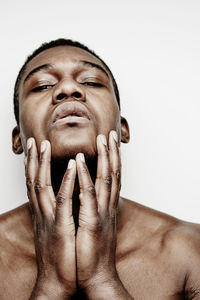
x,y
184,242
16,229
17,254
174,241
16,234
171,229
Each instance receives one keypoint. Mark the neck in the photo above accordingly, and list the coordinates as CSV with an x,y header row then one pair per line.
x,y
58,169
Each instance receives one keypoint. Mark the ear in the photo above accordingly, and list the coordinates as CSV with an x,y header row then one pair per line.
x,y
125,133
16,141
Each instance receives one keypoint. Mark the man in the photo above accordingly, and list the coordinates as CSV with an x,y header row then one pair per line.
x,y
77,238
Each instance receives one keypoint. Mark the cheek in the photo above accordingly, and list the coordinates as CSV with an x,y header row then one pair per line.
x,y
31,120
108,116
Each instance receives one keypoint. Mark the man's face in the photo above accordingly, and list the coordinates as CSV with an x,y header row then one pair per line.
x,y
67,97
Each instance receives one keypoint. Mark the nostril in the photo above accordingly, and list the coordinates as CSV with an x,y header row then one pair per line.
x,y
61,96
76,95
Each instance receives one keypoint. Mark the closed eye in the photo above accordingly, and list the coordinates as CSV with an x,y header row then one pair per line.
x,y
42,88
94,84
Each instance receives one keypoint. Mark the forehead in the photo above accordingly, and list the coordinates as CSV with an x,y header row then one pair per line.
x,y
61,54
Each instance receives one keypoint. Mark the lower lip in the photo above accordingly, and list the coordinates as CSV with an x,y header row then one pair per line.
x,y
71,119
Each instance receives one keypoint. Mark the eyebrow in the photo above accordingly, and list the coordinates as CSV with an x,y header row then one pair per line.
x,y
38,69
50,66
93,65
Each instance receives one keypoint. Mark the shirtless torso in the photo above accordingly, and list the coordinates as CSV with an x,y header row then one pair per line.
x,y
157,256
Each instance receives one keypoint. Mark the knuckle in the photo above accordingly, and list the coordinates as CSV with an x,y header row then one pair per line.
x,y
84,170
90,190
108,180
66,231
116,174
60,199
38,186
29,183
90,224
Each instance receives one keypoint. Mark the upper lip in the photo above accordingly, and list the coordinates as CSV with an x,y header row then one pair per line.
x,y
70,108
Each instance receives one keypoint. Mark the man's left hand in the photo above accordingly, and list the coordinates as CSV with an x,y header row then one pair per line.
x,y
96,236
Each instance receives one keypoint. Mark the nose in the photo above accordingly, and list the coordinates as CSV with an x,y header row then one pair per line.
x,y
68,88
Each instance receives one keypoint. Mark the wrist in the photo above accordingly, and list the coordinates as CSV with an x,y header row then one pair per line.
x,y
107,287
47,289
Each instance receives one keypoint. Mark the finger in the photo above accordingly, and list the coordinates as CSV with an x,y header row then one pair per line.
x,y
115,166
64,215
25,161
43,187
104,177
31,171
99,163
88,202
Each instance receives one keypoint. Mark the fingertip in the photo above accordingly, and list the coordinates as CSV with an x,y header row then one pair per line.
x,y
43,146
29,143
80,157
98,141
48,143
25,160
102,144
71,164
114,136
103,139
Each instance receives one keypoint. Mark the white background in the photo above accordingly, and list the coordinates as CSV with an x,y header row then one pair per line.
x,y
153,49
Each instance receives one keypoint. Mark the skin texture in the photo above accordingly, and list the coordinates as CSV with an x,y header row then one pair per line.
x,y
77,238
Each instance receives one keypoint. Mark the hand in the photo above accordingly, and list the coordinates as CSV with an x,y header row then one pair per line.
x,y
96,235
54,228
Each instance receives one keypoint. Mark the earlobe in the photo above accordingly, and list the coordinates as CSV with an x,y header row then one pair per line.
x,y
125,133
16,141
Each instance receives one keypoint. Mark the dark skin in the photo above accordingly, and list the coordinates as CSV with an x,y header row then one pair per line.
x,y
77,238
63,258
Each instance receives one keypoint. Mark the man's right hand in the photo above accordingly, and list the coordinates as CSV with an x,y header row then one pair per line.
x,y
54,228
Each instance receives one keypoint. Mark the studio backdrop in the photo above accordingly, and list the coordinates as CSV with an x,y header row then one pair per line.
x,y
153,49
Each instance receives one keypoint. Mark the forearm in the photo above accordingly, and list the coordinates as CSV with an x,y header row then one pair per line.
x,y
112,289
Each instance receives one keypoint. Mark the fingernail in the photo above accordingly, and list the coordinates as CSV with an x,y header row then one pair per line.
x,y
115,136
29,143
71,163
43,146
82,157
103,139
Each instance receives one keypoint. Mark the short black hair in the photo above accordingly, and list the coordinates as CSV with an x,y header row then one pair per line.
x,y
48,45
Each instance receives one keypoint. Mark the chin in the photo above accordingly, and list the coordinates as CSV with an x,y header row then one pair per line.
x,y
68,143
70,151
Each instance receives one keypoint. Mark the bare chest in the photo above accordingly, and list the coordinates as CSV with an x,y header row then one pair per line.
x,y
146,276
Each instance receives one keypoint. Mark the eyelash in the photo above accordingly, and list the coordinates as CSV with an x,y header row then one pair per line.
x,y
94,84
42,87
47,86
